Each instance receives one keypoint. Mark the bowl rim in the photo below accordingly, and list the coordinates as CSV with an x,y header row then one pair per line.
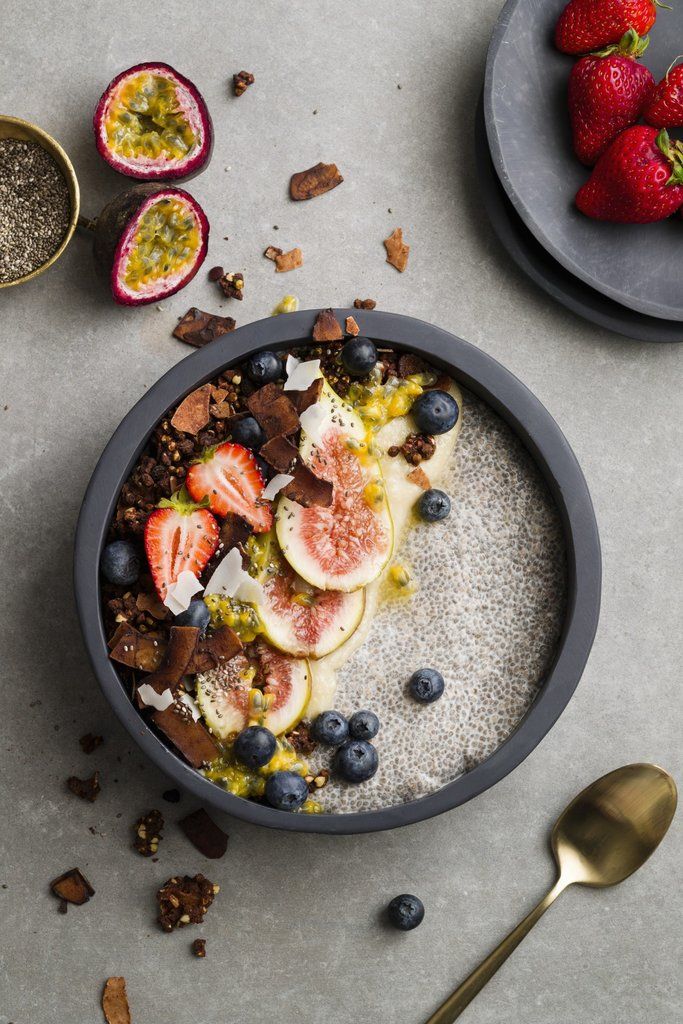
x,y
509,398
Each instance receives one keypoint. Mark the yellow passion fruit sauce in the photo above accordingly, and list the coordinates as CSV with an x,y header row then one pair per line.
x,y
144,119
166,240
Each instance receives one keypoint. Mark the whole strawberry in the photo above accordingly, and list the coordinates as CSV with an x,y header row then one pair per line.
x,y
664,109
607,93
587,25
637,180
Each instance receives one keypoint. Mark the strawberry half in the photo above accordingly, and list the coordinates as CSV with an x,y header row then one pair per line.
x,y
228,476
587,25
607,93
637,180
179,534
665,107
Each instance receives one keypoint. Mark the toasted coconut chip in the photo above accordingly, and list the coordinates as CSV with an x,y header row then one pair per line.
x,y
273,411
307,489
136,650
272,252
419,477
279,453
193,412
115,1001
275,485
302,400
352,327
301,374
289,260
214,650
230,579
218,394
149,698
192,739
326,327
314,182
397,250
204,834
86,789
312,421
198,328
182,643
232,285
364,303
234,531
151,604
180,593
73,887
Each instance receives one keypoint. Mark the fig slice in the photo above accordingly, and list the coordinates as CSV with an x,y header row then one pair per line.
x,y
224,694
151,123
346,545
150,241
300,619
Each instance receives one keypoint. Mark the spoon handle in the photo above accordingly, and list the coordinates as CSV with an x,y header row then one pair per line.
x,y
465,993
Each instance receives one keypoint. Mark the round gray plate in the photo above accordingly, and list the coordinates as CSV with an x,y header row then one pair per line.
x,y
530,141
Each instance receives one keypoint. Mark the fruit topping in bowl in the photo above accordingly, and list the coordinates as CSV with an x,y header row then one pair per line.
x,y
150,242
151,123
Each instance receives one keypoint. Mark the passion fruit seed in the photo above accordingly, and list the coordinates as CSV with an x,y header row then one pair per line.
x,y
146,120
166,241
242,618
378,403
400,577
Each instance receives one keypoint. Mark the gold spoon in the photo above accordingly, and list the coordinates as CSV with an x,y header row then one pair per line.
x,y
605,834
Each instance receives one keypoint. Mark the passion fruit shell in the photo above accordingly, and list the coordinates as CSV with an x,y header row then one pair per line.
x,y
150,241
151,123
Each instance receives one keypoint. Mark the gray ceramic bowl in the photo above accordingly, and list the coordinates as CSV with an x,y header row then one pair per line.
x,y
476,371
525,99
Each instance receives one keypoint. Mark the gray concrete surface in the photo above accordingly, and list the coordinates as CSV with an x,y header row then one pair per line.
x,y
294,935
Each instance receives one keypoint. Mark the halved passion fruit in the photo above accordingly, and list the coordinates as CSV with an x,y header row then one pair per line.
x,y
152,123
150,241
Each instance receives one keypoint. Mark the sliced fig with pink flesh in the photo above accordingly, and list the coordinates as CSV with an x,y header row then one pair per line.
x,y
223,697
288,688
150,241
152,123
346,545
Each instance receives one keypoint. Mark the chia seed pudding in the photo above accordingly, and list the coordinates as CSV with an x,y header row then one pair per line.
x,y
35,208
303,534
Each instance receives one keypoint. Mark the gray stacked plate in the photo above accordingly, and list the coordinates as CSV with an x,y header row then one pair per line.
x,y
623,277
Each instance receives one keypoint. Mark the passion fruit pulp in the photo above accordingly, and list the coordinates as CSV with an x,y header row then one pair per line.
x,y
150,241
152,123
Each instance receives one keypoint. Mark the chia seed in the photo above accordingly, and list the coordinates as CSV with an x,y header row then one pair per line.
x,y
34,208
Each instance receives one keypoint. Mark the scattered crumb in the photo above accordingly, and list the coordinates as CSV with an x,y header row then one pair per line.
x,y
397,250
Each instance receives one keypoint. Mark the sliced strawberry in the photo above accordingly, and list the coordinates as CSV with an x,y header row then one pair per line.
x,y
179,534
229,476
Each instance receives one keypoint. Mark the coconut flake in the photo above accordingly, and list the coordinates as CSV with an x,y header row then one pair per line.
x,y
189,702
300,375
149,697
180,593
275,485
231,580
312,420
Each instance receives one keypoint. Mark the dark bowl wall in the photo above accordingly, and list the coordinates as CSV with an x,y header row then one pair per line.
x,y
486,378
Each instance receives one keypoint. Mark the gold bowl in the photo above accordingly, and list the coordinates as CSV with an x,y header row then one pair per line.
x,y
16,128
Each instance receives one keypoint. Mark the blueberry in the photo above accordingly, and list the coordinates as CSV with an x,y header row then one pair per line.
x,y
264,368
286,791
331,727
120,563
364,725
435,412
406,912
255,746
426,685
266,470
196,614
357,761
248,433
433,505
359,356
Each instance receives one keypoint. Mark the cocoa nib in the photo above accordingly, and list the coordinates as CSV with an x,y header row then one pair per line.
x,y
115,1002
136,650
89,742
326,327
182,643
232,285
204,834
192,739
415,449
307,489
352,327
397,250
184,901
364,303
241,81
273,411
279,453
198,328
272,252
86,789
199,947
72,887
314,181
289,260
148,831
